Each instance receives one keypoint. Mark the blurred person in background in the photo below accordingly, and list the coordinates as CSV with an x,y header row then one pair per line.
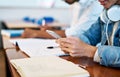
x,y
84,14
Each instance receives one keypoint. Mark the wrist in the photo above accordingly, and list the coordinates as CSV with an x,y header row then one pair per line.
x,y
91,51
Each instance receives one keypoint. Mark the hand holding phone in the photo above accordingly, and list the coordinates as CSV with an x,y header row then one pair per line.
x,y
52,33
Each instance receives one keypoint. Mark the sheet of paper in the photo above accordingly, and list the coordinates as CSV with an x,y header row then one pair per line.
x,y
47,66
37,47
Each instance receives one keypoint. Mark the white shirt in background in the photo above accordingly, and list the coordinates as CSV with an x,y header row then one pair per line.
x,y
86,13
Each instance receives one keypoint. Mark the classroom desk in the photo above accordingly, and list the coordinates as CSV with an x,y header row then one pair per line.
x,y
93,68
19,24
3,72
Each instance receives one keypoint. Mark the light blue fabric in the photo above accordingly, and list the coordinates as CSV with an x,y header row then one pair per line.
x,y
109,55
95,10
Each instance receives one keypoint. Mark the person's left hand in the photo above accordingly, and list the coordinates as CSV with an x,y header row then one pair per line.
x,y
75,47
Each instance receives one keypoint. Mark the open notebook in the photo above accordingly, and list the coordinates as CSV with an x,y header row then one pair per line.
x,y
47,66
37,47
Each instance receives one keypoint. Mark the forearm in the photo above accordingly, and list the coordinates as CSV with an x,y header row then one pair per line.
x,y
90,51
61,33
109,56
44,34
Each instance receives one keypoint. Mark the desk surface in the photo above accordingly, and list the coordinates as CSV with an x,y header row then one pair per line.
x,y
19,24
93,68
3,71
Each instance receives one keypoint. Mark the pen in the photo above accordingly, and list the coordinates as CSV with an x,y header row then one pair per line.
x,y
17,46
51,47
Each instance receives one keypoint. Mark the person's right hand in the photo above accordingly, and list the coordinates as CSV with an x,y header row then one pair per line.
x,y
76,48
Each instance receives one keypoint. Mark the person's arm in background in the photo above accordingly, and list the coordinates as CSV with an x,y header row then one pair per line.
x,y
30,33
74,11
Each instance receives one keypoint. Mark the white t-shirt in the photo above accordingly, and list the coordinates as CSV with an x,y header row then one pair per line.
x,y
87,13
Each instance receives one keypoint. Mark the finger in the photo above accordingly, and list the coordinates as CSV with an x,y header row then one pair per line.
x,y
75,55
73,40
66,52
60,40
69,50
66,45
57,41
66,49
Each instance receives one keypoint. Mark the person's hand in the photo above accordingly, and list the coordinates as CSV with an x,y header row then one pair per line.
x,y
75,47
29,33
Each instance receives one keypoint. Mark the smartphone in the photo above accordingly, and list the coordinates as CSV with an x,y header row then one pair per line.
x,y
52,33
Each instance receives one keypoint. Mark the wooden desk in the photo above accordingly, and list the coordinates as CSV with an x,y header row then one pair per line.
x,y
3,71
19,24
93,68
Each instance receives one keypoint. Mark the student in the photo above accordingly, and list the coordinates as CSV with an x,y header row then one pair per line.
x,y
86,9
105,30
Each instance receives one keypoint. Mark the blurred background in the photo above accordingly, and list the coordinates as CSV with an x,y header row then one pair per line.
x,y
36,9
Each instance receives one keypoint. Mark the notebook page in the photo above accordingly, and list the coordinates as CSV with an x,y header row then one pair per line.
x,y
38,47
47,66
